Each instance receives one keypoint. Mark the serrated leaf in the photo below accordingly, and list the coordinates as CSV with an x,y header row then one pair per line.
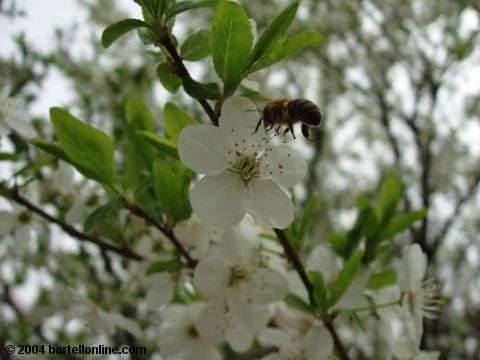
x,y
298,303
382,279
183,6
175,119
232,41
163,144
114,31
196,46
345,278
319,290
173,265
200,91
276,30
99,213
287,48
89,149
401,223
170,81
390,196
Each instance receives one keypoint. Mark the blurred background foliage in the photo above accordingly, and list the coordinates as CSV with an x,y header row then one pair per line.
x,y
398,85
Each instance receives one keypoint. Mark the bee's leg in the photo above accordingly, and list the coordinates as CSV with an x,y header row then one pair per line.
x,y
276,129
258,125
306,132
286,131
290,127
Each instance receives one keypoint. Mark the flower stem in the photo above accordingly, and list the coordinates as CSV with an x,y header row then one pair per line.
x,y
374,307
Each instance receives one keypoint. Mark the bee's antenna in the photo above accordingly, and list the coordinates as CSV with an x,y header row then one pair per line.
x,y
259,111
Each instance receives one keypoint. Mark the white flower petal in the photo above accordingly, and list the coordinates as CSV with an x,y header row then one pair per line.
x,y
22,127
413,267
276,337
211,277
219,200
267,286
285,165
200,148
7,222
237,125
323,259
235,247
269,204
212,323
161,291
22,237
319,344
125,324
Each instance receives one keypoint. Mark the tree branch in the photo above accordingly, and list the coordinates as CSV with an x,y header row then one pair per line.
x,y
138,211
14,195
164,38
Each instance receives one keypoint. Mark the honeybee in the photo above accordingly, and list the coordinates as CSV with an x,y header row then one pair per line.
x,y
287,112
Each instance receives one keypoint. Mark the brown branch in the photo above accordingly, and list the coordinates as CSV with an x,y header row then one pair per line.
x,y
124,251
138,211
292,256
164,38
342,352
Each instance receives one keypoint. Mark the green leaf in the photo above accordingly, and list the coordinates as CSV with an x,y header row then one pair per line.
x,y
286,48
171,184
196,46
170,81
89,149
198,90
307,216
155,8
99,214
276,30
390,196
164,181
175,119
51,147
163,144
114,31
401,223
173,265
231,42
319,290
9,156
382,279
183,6
345,278
297,302
139,117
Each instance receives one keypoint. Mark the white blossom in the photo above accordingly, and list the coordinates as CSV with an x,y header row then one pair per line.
x,y
244,173
419,296
101,321
13,117
180,337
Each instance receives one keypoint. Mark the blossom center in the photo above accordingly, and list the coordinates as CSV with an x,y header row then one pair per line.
x,y
237,275
247,166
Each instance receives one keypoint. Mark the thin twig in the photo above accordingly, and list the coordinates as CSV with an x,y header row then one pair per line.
x,y
295,260
164,38
124,251
138,211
